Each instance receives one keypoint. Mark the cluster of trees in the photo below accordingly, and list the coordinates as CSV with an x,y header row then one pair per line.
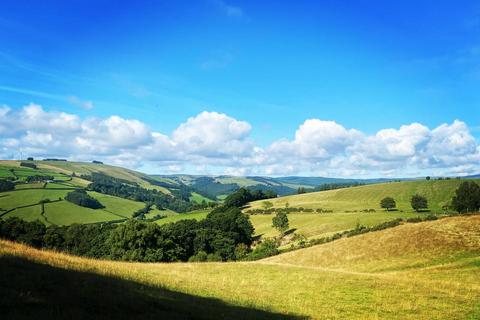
x,y
6,185
243,196
28,165
221,236
38,178
179,200
82,198
467,197
329,186
417,202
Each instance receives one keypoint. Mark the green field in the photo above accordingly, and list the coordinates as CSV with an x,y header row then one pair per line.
x,y
64,212
198,198
437,192
197,215
422,271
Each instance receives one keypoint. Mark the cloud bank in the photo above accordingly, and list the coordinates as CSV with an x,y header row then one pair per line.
x,y
216,143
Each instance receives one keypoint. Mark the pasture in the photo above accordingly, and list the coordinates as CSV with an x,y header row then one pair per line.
x,y
434,276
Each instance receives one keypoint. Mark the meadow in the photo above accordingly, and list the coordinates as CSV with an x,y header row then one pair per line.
x,y
426,270
437,192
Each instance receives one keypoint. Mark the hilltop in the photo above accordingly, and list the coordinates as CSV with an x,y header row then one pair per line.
x,y
434,276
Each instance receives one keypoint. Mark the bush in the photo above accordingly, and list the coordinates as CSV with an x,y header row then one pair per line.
x,y
267,248
83,199
201,256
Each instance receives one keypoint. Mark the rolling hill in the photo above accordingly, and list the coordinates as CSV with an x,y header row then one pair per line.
x,y
426,270
352,206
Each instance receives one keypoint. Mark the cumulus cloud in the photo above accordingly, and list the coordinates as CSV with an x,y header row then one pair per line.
x,y
216,143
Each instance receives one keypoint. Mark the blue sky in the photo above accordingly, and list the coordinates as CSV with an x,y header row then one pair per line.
x,y
366,65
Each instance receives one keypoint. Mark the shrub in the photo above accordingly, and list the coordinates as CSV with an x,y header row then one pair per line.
x,y
267,248
201,256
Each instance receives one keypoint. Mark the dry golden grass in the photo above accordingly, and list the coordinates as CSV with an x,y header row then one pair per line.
x,y
416,271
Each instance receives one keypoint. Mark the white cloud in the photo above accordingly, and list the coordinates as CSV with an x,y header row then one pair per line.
x,y
216,143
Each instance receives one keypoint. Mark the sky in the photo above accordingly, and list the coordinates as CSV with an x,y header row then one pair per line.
x,y
313,88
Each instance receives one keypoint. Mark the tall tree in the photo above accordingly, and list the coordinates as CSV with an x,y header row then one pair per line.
x,y
467,197
280,222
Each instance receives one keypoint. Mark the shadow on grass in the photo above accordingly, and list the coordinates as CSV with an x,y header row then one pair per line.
x,y
30,290
290,231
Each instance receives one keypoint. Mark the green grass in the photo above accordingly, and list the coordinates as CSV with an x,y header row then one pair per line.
x,y
64,212
197,215
317,225
118,206
437,192
198,198
415,271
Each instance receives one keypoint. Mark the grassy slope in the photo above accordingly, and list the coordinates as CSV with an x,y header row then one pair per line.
x,y
64,212
314,225
437,192
198,198
68,167
415,271
197,215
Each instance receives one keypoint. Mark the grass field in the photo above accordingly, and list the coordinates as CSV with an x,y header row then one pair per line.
x,y
437,192
427,270
61,168
64,212
198,198
317,225
197,215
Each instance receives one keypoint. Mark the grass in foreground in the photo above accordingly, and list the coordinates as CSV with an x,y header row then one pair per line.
x,y
444,285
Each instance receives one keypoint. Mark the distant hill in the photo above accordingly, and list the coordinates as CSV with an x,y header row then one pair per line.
x,y
217,187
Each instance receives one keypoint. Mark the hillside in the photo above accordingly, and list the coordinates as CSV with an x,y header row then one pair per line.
x,y
416,271
437,192
63,177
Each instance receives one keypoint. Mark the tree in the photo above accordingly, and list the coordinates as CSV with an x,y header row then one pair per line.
x,y
301,190
418,202
388,203
427,178
280,222
467,197
267,205
6,185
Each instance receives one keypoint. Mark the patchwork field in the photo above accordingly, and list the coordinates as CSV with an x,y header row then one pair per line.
x,y
426,270
25,203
